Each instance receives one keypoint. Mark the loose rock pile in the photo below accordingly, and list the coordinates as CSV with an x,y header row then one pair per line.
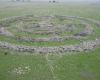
x,y
20,70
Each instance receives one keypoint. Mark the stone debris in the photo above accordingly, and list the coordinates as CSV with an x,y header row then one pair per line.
x,y
5,32
20,70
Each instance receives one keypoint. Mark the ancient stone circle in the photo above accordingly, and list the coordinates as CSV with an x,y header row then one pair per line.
x,y
53,34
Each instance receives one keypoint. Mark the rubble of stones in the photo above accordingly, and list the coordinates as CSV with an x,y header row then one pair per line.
x,y
5,32
49,29
20,70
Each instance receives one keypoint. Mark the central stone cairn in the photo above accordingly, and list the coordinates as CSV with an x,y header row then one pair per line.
x,y
31,29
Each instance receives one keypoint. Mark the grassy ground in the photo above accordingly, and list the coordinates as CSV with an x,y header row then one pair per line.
x,y
66,67
90,11
77,66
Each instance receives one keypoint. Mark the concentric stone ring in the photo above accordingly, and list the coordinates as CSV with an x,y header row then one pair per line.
x,y
49,34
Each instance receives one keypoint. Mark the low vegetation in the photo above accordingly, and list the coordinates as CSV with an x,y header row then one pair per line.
x,y
46,26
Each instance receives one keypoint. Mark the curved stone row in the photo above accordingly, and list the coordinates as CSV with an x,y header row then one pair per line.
x,y
56,38
84,46
97,23
57,29
6,21
16,18
13,19
49,39
87,31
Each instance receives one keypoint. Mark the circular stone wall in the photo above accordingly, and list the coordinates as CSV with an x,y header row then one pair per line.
x,y
49,34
